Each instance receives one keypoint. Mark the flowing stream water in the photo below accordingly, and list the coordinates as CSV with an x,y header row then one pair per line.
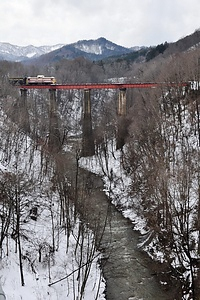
x,y
130,274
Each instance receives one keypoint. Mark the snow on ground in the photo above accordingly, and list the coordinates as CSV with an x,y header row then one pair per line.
x,y
52,268
41,265
116,182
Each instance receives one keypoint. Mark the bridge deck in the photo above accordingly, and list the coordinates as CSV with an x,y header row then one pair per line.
x,y
101,86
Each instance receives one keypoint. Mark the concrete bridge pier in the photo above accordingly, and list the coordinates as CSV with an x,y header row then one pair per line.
x,y
23,112
88,148
54,141
121,108
122,121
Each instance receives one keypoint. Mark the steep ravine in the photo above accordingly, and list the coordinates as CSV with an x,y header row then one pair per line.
x,y
130,274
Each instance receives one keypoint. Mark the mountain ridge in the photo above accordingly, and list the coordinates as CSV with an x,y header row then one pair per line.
x,y
95,50
19,53
91,49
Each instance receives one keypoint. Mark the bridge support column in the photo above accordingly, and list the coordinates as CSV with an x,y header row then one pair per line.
x,y
88,148
122,121
23,112
121,108
54,141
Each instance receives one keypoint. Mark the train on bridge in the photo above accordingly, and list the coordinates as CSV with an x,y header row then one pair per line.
x,y
37,80
49,82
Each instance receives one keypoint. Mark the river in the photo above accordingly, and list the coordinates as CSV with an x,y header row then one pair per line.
x,y
129,272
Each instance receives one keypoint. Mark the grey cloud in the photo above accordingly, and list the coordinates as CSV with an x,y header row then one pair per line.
x,y
126,22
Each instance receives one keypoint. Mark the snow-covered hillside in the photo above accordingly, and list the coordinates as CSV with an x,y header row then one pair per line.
x,y
43,255
100,46
19,53
91,49
154,181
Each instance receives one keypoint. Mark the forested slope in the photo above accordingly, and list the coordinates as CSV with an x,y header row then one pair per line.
x,y
160,157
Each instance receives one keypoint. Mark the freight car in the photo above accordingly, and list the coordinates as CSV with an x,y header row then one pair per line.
x,y
17,80
38,80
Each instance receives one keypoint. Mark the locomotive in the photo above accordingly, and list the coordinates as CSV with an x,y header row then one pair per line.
x,y
38,80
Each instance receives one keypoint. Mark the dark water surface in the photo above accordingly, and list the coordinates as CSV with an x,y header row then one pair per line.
x,y
129,272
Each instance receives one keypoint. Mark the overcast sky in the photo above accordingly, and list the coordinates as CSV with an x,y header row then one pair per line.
x,y
125,22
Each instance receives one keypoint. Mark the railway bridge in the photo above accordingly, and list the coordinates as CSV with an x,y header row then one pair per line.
x,y
88,148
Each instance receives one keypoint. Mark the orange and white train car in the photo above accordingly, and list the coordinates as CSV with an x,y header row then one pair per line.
x,y
40,79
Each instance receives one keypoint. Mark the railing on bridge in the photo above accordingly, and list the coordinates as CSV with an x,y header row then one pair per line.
x,y
82,86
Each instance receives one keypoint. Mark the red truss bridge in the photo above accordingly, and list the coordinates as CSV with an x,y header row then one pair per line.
x,y
102,86
49,82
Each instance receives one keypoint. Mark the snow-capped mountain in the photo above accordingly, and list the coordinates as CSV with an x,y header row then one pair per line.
x,y
101,47
19,53
90,49
93,50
